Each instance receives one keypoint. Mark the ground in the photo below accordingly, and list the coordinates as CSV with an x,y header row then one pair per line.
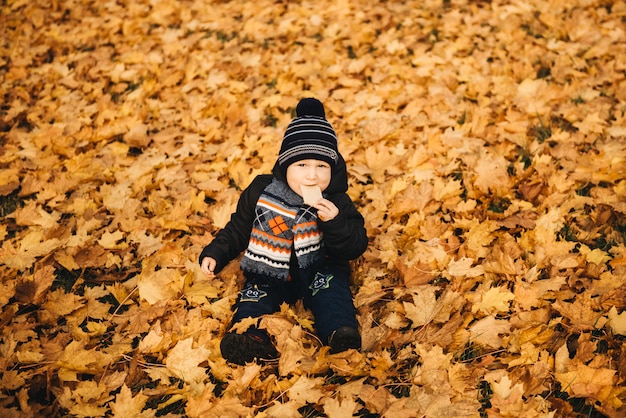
x,y
485,142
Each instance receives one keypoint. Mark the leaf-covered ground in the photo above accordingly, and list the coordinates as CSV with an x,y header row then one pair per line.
x,y
486,145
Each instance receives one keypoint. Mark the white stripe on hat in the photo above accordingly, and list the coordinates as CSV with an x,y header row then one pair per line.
x,y
308,149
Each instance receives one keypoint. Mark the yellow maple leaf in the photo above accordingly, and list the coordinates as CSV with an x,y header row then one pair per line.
x,y
433,357
66,260
31,246
110,240
201,401
59,303
291,356
86,400
445,189
154,341
487,331
220,214
13,379
34,214
492,175
148,243
183,360
586,381
395,320
376,399
580,313
127,405
201,291
528,355
29,353
114,197
424,306
77,359
155,286
339,408
243,378
494,300
479,236
228,407
595,256
463,268
9,180
592,123
531,96
289,409
530,292
306,390
506,393
380,365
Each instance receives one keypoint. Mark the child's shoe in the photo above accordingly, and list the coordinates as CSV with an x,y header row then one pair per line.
x,y
344,338
245,348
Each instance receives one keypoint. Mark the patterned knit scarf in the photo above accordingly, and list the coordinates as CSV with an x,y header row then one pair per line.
x,y
283,223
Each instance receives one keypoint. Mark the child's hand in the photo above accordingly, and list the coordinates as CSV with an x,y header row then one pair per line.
x,y
326,210
208,266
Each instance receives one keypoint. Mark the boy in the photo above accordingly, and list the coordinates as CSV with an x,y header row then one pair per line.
x,y
294,250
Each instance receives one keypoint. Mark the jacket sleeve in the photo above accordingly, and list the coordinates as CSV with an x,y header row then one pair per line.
x,y
230,241
345,236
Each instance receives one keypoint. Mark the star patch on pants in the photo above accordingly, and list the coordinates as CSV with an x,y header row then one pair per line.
x,y
320,281
252,294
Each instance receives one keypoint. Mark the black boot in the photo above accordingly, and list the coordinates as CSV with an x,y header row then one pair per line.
x,y
344,338
245,348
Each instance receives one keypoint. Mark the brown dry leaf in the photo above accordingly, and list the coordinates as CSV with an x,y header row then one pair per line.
x,y
487,331
587,381
581,312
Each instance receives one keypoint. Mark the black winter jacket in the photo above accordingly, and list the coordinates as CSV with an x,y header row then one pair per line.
x,y
345,237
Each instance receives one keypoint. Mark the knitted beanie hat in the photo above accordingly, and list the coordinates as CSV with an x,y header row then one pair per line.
x,y
309,136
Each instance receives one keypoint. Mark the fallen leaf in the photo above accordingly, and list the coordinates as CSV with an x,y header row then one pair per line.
x,y
487,330
617,321
183,360
127,405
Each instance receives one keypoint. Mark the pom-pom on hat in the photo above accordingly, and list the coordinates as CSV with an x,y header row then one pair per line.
x,y
309,136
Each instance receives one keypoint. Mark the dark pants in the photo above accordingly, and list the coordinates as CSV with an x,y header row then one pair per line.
x,y
327,294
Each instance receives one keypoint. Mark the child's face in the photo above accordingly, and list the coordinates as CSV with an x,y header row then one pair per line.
x,y
308,173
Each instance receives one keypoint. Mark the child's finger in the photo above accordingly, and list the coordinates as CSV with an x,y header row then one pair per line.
x,y
208,266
